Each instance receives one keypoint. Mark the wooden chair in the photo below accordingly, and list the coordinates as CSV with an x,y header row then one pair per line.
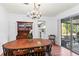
x,y
40,51
52,38
48,49
5,51
23,52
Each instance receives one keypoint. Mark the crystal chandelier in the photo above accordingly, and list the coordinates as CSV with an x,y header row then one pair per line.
x,y
35,14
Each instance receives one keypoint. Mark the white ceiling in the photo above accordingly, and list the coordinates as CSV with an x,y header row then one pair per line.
x,y
47,9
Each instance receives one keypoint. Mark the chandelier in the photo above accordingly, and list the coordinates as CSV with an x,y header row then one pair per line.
x,y
35,14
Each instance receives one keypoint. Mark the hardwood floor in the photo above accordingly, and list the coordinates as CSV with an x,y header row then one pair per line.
x,y
60,51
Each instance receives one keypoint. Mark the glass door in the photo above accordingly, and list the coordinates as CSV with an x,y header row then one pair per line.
x,y
70,34
65,36
75,35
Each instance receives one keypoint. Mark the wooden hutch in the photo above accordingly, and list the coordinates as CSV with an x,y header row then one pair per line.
x,y
23,29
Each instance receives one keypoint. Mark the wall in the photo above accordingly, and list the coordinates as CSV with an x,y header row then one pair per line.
x,y
51,24
3,27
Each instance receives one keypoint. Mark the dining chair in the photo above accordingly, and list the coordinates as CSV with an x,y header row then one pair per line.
x,y
40,51
52,38
19,52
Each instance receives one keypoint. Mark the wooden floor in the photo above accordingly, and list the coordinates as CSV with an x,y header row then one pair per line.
x,y
60,51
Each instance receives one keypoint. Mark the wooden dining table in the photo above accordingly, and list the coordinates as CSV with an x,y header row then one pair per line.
x,y
26,44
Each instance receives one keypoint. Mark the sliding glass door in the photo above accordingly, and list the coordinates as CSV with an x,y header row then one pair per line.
x,y
70,34
75,34
65,38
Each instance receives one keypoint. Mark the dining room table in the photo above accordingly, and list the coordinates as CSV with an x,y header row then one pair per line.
x,y
29,44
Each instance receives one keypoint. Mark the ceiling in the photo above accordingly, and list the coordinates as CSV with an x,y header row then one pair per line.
x,y
47,9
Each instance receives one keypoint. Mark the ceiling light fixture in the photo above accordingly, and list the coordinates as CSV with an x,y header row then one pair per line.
x,y
35,13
